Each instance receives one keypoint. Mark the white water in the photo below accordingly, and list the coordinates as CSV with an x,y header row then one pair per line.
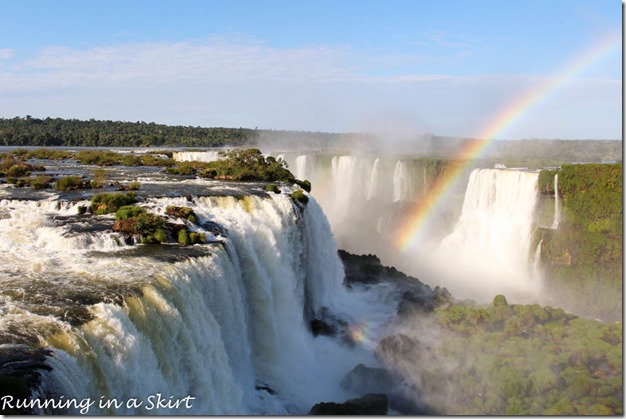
x,y
203,156
401,185
366,197
477,245
208,327
557,210
489,250
302,167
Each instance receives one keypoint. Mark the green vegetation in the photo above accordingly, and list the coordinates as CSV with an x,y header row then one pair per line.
x,y
182,212
129,211
583,257
150,227
520,360
187,238
100,177
40,182
72,132
111,158
106,203
247,165
304,184
72,183
133,186
299,196
12,168
186,168
272,188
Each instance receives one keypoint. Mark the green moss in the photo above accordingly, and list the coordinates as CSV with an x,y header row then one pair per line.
x,y
183,238
272,188
300,197
197,238
187,238
304,184
160,235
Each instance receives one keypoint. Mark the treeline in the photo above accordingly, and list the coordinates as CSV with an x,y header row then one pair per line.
x,y
582,258
30,131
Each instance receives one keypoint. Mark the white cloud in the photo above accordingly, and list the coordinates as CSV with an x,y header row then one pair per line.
x,y
217,82
5,53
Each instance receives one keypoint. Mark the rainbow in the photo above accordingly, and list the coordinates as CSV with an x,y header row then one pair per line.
x,y
405,236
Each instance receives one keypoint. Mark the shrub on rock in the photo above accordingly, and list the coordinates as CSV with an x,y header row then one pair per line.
x,y
182,212
106,203
300,197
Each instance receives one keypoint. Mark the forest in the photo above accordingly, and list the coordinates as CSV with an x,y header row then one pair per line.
x,y
583,256
30,131
506,359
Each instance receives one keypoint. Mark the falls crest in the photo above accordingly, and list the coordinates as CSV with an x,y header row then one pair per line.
x,y
211,326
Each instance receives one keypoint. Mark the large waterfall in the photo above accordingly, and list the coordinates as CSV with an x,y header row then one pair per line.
x,y
490,244
138,330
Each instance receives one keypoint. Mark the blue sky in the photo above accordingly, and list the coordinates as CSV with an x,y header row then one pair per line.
x,y
445,67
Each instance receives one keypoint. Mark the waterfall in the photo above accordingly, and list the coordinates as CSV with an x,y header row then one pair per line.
x,y
203,156
302,167
374,180
557,211
205,329
490,244
400,182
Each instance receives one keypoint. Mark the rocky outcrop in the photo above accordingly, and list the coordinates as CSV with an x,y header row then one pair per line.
x,y
363,379
417,296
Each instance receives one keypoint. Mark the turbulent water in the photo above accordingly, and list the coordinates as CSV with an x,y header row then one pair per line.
x,y
218,329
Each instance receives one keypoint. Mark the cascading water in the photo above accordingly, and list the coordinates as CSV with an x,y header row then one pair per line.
x,y
302,167
490,244
203,156
216,333
400,182
374,181
557,210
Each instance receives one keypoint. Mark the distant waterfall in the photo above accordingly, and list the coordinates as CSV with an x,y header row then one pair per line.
x,y
400,182
203,156
557,210
491,241
374,181
302,167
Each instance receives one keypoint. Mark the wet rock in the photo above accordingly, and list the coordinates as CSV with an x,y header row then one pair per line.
x,y
370,404
21,367
363,379
398,345
320,327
